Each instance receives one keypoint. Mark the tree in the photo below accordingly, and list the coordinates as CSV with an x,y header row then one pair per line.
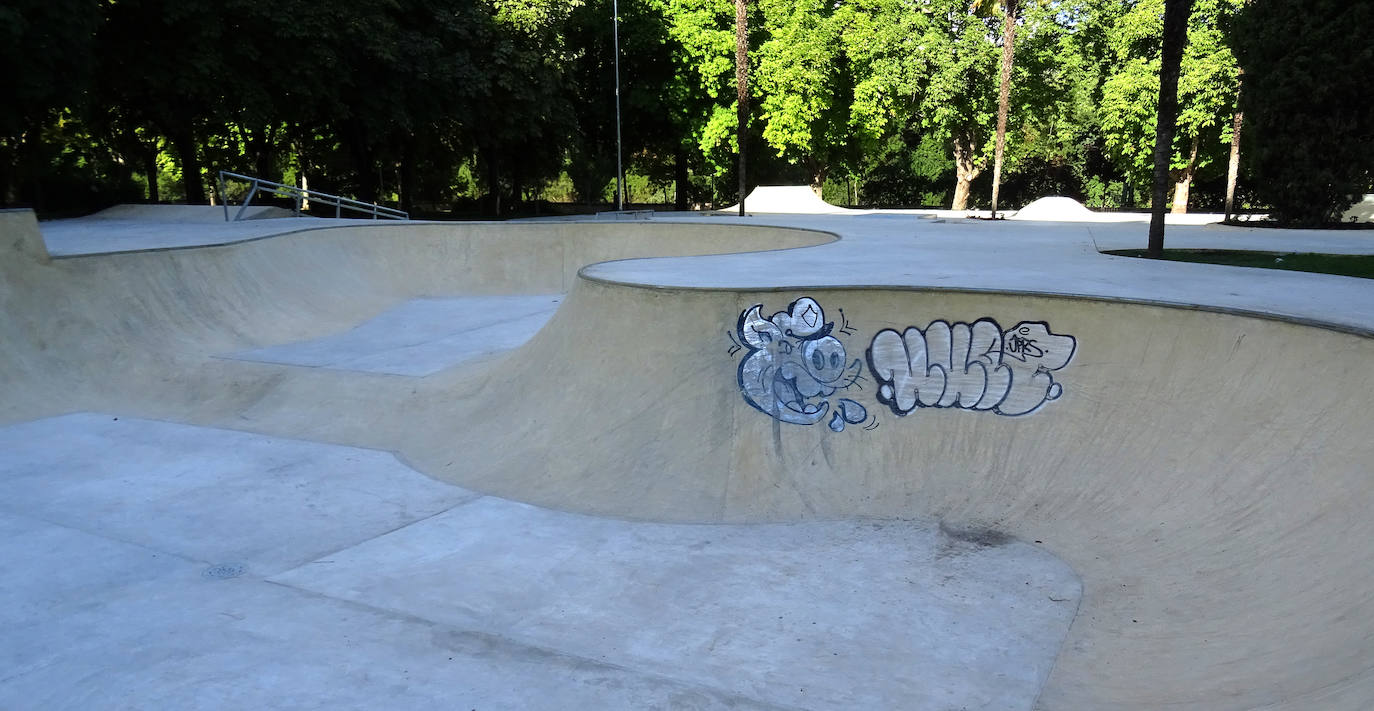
x,y
1233,165
1009,10
957,105
48,56
704,32
804,85
742,87
1308,111
1207,82
1171,56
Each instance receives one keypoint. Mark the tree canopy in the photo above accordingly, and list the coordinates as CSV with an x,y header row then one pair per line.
x,y
500,106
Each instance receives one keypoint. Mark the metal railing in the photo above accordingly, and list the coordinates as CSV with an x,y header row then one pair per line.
x,y
300,195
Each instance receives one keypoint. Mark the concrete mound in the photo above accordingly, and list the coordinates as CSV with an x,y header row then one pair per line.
x,y
1055,209
1362,211
790,199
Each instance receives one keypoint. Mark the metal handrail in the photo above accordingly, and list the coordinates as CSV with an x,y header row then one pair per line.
x,y
301,194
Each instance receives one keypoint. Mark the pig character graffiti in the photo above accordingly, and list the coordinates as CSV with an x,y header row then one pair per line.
x,y
794,364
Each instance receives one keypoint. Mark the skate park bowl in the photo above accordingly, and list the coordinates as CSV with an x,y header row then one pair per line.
x,y
1180,454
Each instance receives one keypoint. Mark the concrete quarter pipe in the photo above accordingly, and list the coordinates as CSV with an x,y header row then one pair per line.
x,y
1193,442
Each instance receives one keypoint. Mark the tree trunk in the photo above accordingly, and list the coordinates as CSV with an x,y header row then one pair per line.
x,y
150,168
517,190
818,182
408,175
31,160
361,152
681,179
1176,14
8,173
1185,181
1233,167
184,140
965,170
1003,98
493,182
742,88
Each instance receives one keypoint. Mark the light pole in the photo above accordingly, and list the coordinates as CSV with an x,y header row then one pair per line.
x,y
619,171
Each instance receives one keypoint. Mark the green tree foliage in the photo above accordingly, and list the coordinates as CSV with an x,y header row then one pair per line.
x,y
1206,92
438,103
1309,116
803,83
704,30
47,52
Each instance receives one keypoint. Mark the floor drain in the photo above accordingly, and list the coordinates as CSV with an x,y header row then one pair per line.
x,y
224,571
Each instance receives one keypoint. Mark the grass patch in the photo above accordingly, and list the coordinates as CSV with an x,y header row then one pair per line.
x,y
1353,265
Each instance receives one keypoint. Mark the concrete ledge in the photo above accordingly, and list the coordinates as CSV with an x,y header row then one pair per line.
x,y
19,235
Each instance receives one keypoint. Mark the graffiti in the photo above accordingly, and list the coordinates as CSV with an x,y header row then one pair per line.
x,y
976,366
793,365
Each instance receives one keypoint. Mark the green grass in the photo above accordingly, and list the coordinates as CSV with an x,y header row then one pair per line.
x,y
1354,265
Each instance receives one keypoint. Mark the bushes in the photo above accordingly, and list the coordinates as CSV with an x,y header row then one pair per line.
x,y
1309,119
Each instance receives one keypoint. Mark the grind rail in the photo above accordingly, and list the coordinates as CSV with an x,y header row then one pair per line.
x,y
299,196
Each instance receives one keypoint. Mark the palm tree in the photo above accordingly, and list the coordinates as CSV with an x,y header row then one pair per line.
x,y
1009,8
742,86
1176,13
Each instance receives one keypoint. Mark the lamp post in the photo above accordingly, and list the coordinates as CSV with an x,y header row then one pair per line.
x,y
619,171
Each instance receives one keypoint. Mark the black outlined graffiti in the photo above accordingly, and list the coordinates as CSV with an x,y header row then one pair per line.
x,y
976,366
793,365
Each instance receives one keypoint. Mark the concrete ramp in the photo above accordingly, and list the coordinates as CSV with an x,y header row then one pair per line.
x,y
793,199
1205,474
1362,211
208,568
187,214
422,336
1061,209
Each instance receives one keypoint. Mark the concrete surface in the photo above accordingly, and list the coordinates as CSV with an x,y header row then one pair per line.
x,y
1362,211
1031,258
422,336
144,227
1055,209
161,565
185,214
1204,470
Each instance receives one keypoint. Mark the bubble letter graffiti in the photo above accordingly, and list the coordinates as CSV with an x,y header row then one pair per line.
x,y
974,366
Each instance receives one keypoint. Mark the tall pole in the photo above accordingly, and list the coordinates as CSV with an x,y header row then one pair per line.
x,y
619,170
742,85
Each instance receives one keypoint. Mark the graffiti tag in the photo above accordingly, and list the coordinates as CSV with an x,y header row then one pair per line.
x,y
976,366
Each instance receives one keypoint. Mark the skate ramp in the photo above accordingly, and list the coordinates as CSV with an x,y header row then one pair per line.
x,y
793,199
1210,492
1362,211
208,568
187,213
1064,209
421,336
1204,472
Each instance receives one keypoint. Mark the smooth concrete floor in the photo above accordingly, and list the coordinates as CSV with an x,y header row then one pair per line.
x,y
158,565
421,336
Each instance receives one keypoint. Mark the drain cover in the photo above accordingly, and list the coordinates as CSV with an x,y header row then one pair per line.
x,y
224,571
